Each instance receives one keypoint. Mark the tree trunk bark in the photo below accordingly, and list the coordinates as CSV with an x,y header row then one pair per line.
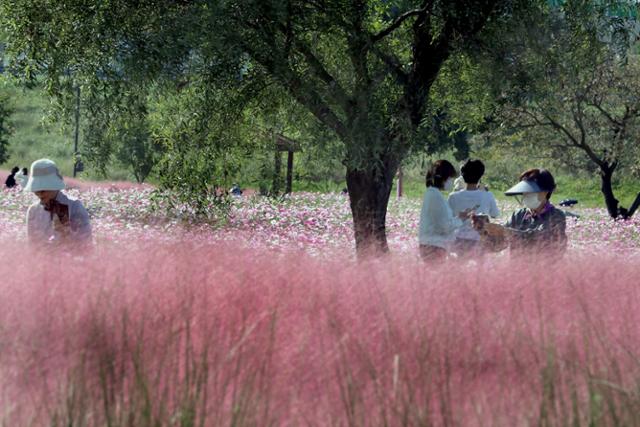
x,y
369,194
634,207
606,175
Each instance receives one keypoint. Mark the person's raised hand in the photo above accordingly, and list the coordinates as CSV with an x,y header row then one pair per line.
x,y
479,221
466,214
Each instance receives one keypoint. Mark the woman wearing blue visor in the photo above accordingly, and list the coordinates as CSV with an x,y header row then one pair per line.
x,y
538,225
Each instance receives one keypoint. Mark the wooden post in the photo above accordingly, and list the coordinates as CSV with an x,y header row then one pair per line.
x,y
276,173
399,186
289,172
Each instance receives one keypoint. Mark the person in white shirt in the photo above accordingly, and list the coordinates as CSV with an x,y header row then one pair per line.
x,y
23,178
437,226
458,184
56,218
475,198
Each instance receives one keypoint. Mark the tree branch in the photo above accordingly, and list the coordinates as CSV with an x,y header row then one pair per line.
x,y
340,95
605,113
393,65
398,22
562,129
579,144
300,89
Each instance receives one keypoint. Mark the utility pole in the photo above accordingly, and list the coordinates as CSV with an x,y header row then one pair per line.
x,y
77,131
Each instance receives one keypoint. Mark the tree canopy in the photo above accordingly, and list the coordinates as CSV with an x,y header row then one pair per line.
x,y
384,78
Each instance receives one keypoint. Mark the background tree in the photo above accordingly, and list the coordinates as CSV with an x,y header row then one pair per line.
x,y
588,124
5,128
574,92
118,128
363,69
563,85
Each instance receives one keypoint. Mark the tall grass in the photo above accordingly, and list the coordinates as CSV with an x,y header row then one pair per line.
x,y
186,335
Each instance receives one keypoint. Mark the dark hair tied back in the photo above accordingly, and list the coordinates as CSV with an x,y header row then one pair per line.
x,y
440,171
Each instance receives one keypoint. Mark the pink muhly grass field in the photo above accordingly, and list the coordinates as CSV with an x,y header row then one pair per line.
x,y
209,335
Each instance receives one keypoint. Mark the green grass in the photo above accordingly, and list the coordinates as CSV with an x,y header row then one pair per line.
x,y
31,138
34,137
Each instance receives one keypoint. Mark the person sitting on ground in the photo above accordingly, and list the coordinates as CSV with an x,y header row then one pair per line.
x,y
23,178
471,198
56,218
538,225
10,182
437,222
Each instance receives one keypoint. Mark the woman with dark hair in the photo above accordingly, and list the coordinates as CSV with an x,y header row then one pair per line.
x,y
538,225
437,222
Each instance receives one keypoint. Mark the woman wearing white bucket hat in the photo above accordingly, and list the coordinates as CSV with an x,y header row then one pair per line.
x,y
56,218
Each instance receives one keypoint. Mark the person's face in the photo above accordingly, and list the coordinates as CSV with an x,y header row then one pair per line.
x,y
534,200
46,196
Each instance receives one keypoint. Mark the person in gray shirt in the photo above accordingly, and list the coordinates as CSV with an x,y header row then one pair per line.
x,y
538,226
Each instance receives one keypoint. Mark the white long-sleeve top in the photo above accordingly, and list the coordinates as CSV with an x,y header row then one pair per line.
x,y
43,227
437,223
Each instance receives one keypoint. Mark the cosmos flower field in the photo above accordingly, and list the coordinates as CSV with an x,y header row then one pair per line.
x,y
267,319
312,222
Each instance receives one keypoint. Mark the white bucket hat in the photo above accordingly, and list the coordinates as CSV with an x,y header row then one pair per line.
x,y
44,176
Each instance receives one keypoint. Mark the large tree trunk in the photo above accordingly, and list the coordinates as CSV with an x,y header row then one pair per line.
x,y
606,175
369,196
613,205
634,207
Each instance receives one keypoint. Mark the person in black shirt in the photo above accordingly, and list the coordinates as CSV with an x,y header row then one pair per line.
x,y
10,182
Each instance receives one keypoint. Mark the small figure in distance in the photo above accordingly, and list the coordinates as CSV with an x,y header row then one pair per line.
x,y
23,178
10,182
236,190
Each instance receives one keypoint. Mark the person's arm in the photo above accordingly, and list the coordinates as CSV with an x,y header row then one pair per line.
x,y
511,226
451,201
494,212
32,236
80,223
558,224
441,216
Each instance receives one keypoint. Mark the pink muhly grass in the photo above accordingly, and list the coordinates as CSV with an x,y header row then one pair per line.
x,y
207,335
